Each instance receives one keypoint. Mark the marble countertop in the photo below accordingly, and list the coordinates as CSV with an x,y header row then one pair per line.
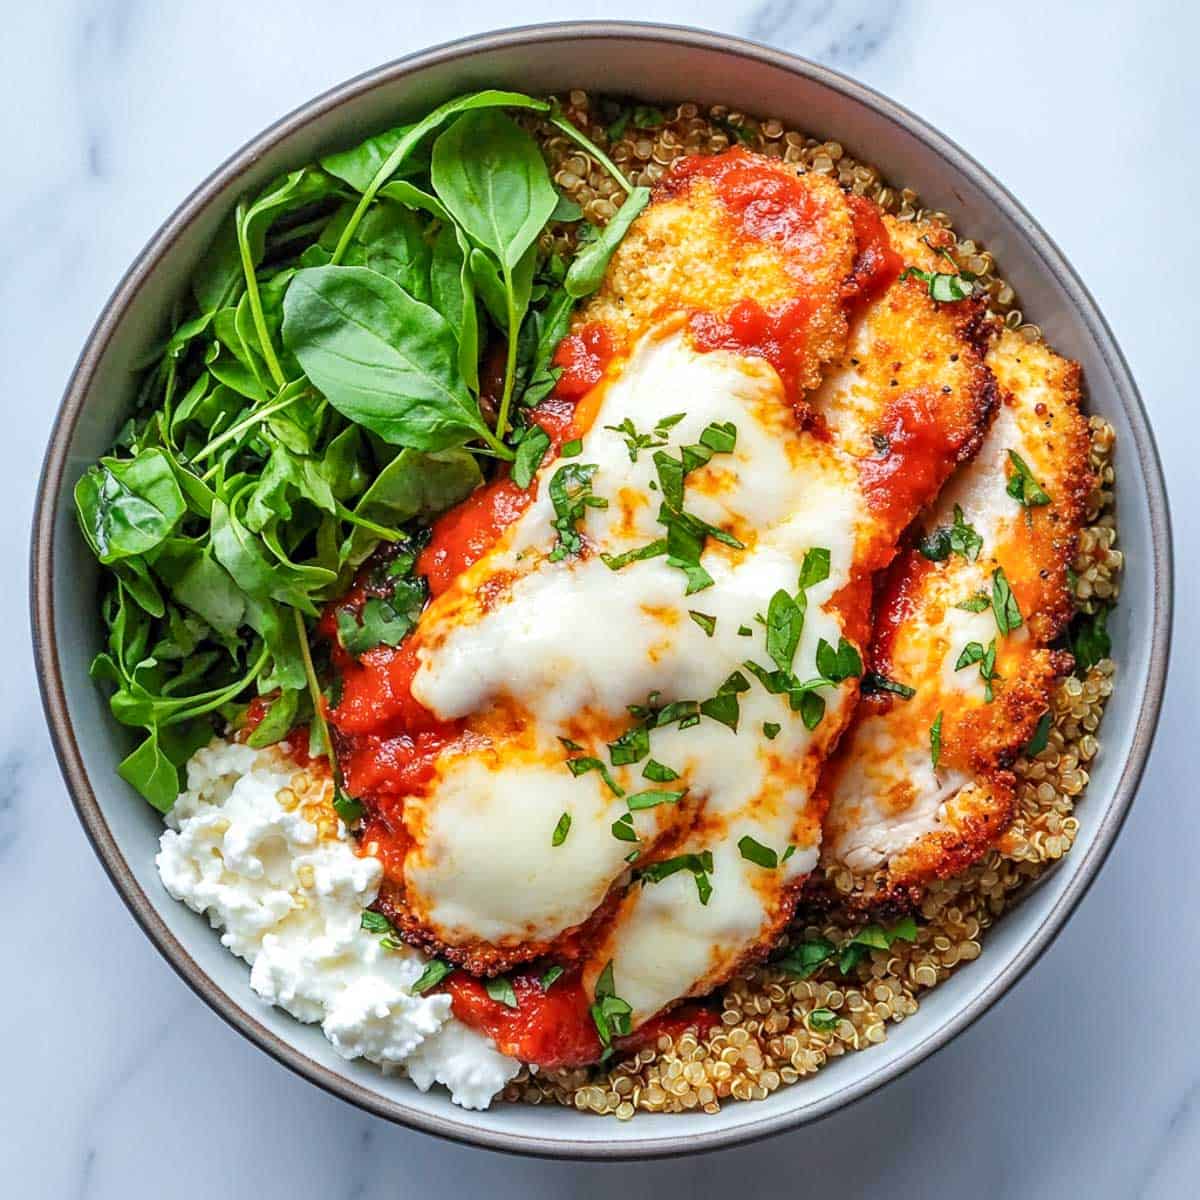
x,y
119,1082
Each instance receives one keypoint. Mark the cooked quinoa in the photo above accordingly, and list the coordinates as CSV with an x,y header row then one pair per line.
x,y
774,1027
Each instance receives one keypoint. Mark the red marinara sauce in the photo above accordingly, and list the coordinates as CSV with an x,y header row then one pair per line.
x,y
582,357
553,1026
876,264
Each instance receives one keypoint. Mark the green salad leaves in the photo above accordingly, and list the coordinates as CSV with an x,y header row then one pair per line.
x,y
317,393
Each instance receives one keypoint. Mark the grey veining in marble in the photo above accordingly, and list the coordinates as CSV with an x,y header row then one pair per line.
x,y
119,1083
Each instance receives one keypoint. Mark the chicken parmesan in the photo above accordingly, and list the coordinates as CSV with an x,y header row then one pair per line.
x,y
615,600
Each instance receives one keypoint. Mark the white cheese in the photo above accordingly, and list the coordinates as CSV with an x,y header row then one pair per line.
x,y
575,640
290,903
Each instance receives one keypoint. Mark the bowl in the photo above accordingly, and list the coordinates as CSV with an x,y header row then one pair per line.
x,y
654,63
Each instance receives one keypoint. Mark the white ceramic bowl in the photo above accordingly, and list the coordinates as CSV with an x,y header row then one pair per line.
x,y
654,63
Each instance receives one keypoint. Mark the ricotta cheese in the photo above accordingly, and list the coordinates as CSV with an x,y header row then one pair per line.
x,y
290,903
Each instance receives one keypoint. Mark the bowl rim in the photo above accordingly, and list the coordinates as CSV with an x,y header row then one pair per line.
x,y
469,1129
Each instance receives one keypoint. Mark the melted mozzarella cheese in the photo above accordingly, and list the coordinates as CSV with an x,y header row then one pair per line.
x,y
571,644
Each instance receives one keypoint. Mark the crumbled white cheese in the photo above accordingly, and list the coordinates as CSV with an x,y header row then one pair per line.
x,y
290,903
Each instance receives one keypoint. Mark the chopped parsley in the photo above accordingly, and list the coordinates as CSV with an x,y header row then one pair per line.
x,y
935,741
581,766
612,1016
501,990
804,959
974,652
822,1020
374,922
959,538
815,568
707,623
623,830
561,830
755,852
631,747
652,799
873,682
635,442
571,495
840,664
980,602
944,288
699,864
1004,603
435,971
1041,736
1022,486
658,772
382,622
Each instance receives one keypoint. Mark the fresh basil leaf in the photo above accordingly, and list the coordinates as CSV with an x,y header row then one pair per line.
x,y
383,359
872,682
754,851
806,958
771,730
785,623
1004,603
1041,736
935,741
657,772
707,623
1089,639
491,175
815,568
652,799
631,747
1022,486
561,830
581,766
127,507
374,922
822,1020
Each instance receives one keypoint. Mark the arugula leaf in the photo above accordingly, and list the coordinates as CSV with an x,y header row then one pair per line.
x,y
278,721
587,270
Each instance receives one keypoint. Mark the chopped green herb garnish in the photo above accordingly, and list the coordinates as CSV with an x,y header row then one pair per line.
x,y
755,852
571,495
720,437
569,745
631,747
745,631
581,766
381,622
815,568
699,864
840,664
707,623
1022,486
771,730
958,538
1041,736
974,652
652,799
785,623
874,937
935,741
804,959
980,602
822,1020
561,830
571,449
623,830
651,550
374,922
551,976
943,288
657,772
501,990
611,1015
812,709
435,971
1004,603
873,682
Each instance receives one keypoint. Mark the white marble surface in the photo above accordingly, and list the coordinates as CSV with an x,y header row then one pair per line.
x,y
118,1082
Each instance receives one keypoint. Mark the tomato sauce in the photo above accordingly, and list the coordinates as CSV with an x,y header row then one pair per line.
x,y
777,334
553,1026
582,357
876,264
918,454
